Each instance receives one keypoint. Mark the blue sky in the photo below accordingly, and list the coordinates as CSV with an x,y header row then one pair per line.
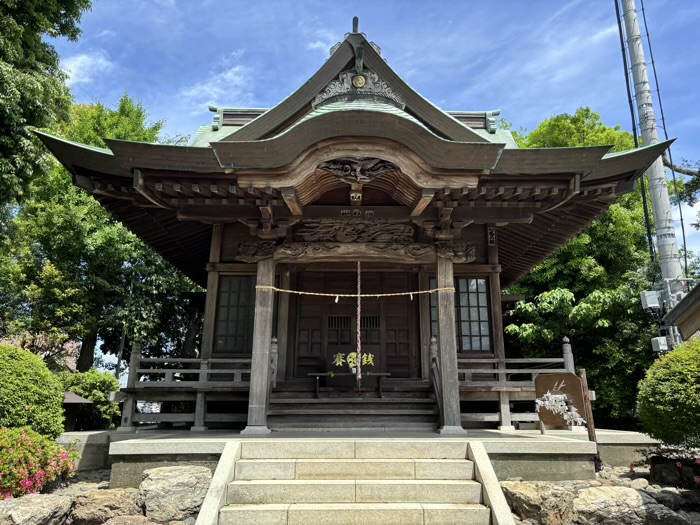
x,y
531,59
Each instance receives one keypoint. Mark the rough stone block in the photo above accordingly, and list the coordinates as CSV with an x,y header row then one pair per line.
x,y
355,469
296,491
428,491
444,469
356,514
265,469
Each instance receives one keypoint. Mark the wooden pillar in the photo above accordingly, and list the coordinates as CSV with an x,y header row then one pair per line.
x,y
262,336
212,294
200,407
568,355
424,325
283,326
497,335
129,407
447,347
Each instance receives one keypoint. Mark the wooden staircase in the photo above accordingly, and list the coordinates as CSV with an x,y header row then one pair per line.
x,y
403,405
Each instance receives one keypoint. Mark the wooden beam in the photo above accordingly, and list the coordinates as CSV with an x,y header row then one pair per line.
x,y
344,252
423,201
292,200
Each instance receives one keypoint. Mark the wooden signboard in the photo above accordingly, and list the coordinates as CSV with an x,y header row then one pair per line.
x,y
565,383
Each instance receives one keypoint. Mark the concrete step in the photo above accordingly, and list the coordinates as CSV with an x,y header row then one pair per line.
x,y
356,449
291,491
423,491
261,469
355,514
354,491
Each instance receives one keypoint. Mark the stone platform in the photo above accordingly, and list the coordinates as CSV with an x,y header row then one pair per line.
x,y
524,454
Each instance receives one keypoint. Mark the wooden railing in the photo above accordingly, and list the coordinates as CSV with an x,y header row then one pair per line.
x,y
506,374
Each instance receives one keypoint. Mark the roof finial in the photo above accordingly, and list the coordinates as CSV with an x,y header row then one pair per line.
x,y
355,24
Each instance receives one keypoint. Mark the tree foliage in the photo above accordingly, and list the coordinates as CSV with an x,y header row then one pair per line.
x,y
589,289
94,386
32,85
72,273
669,397
30,395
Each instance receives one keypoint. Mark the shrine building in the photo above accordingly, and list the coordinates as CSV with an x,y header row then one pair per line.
x,y
353,184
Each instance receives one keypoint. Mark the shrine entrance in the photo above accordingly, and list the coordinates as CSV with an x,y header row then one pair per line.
x,y
324,333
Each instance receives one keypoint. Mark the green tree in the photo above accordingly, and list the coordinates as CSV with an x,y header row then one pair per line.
x,y
32,84
589,289
73,272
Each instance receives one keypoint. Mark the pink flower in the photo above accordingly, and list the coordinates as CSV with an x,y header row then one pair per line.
x,y
696,479
679,464
697,461
26,483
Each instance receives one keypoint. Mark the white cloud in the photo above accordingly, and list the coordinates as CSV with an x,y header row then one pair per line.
x,y
83,68
231,86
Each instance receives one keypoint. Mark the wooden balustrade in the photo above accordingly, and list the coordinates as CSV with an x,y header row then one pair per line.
x,y
506,374
174,373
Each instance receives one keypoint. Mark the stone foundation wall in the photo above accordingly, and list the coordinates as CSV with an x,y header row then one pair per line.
x,y
127,471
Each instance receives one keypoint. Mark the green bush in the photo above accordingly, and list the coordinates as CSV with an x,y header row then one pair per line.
x,y
95,386
668,404
30,395
28,461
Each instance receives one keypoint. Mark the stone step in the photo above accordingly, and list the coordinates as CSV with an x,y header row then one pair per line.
x,y
353,491
261,469
355,514
357,449
423,491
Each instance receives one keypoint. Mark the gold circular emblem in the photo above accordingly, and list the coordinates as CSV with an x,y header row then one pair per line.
x,y
358,81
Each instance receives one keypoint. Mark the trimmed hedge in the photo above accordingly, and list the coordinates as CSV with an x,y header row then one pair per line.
x,y
668,404
30,395
96,387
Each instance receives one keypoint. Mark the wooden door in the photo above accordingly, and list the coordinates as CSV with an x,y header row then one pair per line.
x,y
324,328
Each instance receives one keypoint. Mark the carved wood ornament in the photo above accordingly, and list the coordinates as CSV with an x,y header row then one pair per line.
x,y
456,251
254,251
355,230
358,170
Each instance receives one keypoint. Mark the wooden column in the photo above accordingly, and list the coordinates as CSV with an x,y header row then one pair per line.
x,y
497,335
129,407
212,294
283,326
447,347
424,325
200,407
262,337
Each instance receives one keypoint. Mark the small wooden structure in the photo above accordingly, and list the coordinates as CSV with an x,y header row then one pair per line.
x,y
71,406
353,166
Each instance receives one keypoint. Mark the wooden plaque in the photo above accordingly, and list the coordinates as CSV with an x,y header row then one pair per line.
x,y
565,383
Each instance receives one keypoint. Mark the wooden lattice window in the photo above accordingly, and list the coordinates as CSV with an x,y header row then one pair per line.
x,y
472,319
235,315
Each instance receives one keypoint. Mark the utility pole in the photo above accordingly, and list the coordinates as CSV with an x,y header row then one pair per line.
x,y
667,247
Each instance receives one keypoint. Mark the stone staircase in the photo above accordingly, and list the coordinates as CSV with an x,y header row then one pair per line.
x,y
343,482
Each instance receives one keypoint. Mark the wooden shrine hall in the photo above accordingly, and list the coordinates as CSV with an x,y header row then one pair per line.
x,y
272,210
